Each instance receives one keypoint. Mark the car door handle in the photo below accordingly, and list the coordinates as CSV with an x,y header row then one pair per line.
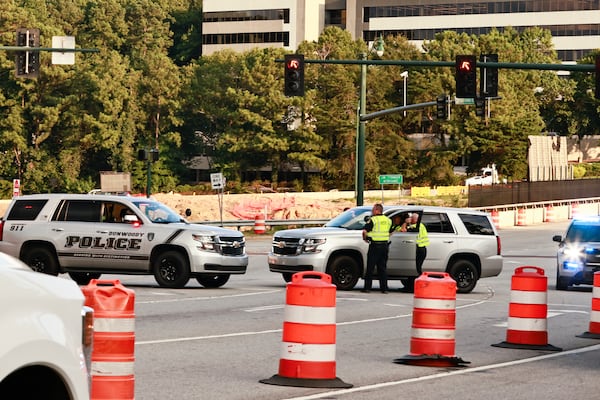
x,y
448,241
102,232
57,229
408,241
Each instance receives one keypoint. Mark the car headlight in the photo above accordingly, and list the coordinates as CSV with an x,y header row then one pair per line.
x,y
573,253
311,245
573,257
205,242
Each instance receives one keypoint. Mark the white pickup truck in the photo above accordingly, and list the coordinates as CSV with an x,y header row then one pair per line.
x,y
488,176
46,335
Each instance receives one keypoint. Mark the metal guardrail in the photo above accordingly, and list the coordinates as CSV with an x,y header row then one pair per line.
x,y
268,222
318,222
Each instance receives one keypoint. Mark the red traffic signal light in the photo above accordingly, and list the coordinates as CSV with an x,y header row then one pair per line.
x,y
294,75
466,76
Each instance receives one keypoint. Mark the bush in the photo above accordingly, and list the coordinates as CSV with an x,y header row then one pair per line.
x,y
579,171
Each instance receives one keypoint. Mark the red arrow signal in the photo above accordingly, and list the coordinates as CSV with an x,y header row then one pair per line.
x,y
294,63
466,65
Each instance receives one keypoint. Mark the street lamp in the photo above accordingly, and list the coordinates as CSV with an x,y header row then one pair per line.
x,y
362,110
405,76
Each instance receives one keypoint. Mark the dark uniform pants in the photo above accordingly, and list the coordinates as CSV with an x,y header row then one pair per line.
x,y
420,257
377,256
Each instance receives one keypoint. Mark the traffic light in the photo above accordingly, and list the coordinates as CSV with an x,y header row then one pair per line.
x,y
148,155
480,106
294,75
598,77
441,107
466,77
27,63
488,77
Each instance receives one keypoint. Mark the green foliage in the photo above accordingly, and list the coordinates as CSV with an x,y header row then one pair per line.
x,y
149,88
579,171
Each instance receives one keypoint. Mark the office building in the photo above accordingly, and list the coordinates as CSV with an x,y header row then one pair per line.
x,y
241,25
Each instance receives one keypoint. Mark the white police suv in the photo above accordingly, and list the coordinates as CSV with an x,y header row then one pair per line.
x,y
89,235
463,243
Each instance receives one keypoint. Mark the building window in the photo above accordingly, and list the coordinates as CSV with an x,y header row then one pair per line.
x,y
240,38
249,15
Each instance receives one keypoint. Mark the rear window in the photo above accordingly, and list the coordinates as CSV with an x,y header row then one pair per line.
x,y
477,224
437,223
26,210
79,210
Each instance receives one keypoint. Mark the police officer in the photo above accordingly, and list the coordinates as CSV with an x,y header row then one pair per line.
x,y
422,240
377,233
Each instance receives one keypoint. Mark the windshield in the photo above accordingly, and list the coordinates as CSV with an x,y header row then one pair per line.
x,y
158,212
583,233
353,219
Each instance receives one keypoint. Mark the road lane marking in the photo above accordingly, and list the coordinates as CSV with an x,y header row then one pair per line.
x,y
331,394
207,297
550,314
238,334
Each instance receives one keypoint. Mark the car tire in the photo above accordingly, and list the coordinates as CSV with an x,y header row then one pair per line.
x,y
171,270
41,259
212,280
561,283
465,274
83,278
344,272
287,276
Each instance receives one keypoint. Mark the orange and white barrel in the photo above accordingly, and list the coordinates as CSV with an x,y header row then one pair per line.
x,y
259,224
113,357
549,215
594,328
528,310
574,210
309,333
433,328
521,217
496,218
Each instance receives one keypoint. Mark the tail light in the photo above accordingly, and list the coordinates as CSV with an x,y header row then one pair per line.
x,y
1,229
87,338
498,245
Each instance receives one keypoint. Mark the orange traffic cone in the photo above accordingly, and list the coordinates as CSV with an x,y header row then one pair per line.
x,y
259,224
527,312
308,347
594,329
114,339
432,341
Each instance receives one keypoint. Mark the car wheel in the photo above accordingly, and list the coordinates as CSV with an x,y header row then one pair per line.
x,y
287,276
41,259
83,278
465,274
212,280
561,283
344,272
171,270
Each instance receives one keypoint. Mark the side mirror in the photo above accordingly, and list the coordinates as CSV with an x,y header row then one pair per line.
x,y
188,212
130,218
557,238
367,219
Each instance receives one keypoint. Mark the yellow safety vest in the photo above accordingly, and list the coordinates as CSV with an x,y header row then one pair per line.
x,y
423,236
381,228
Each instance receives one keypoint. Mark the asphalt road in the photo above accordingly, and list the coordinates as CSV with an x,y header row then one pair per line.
x,y
198,343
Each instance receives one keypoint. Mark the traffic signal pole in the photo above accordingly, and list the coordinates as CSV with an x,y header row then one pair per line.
x,y
360,148
363,117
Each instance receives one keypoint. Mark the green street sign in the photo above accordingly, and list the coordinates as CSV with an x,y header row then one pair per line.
x,y
390,179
